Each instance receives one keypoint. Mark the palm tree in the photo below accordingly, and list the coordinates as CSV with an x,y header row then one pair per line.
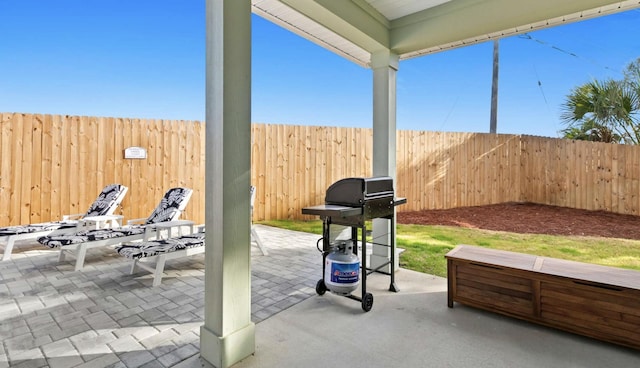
x,y
605,111
590,131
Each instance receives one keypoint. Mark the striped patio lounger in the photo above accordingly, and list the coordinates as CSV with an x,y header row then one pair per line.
x,y
164,216
160,251
99,214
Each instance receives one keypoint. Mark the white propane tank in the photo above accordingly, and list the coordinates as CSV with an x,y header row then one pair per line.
x,y
342,269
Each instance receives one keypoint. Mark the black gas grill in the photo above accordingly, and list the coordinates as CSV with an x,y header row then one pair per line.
x,y
374,195
351,202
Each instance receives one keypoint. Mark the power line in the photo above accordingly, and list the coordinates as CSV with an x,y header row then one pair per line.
x,y
527,36
446,119
542,89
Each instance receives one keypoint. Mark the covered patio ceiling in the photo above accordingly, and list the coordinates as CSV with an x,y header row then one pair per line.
x,y
355,29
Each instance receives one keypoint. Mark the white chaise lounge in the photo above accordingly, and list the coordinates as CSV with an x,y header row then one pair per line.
x,y
165,216
100,214
160,251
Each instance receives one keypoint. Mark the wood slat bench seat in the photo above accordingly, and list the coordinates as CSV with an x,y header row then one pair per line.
x,y
592,300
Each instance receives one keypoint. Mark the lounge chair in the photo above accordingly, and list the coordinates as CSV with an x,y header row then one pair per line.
x,y
165,216
160,251
100,214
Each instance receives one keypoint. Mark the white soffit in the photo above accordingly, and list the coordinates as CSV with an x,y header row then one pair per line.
x,y
289,18
569,18
286,17
394,9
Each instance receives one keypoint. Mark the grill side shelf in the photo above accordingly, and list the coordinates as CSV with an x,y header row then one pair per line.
x,y
330,210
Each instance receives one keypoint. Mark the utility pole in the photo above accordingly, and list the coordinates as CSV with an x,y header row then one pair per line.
x,y
493,123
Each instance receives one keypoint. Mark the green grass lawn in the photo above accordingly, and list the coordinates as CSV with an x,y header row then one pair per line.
x,y
425,246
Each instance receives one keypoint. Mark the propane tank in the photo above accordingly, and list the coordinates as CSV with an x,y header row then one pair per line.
x,y
342,268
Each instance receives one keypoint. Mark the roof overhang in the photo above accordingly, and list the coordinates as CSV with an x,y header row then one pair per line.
x,y
409,28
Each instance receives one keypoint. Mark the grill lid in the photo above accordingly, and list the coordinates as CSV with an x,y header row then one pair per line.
x,y
357,191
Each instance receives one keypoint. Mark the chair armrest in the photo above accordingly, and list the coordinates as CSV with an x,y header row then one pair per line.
x,y
74,216
137,221
175,223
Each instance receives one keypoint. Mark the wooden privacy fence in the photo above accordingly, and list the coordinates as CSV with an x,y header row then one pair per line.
x,y
579,174
53,165
293,165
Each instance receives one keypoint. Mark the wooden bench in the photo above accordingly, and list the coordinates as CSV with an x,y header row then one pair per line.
x,y
591,300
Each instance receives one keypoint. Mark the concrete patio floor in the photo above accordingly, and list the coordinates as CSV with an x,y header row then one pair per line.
x,y
51,316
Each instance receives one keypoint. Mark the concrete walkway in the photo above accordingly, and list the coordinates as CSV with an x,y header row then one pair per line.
x,y
51,316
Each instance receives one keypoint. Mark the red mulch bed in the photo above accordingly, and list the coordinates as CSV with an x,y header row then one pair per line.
x,y
530,218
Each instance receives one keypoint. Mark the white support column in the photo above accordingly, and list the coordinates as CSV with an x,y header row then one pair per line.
x,y
385,67
228,335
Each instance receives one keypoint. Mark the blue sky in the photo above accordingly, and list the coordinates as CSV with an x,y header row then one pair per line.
x,y
145,59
